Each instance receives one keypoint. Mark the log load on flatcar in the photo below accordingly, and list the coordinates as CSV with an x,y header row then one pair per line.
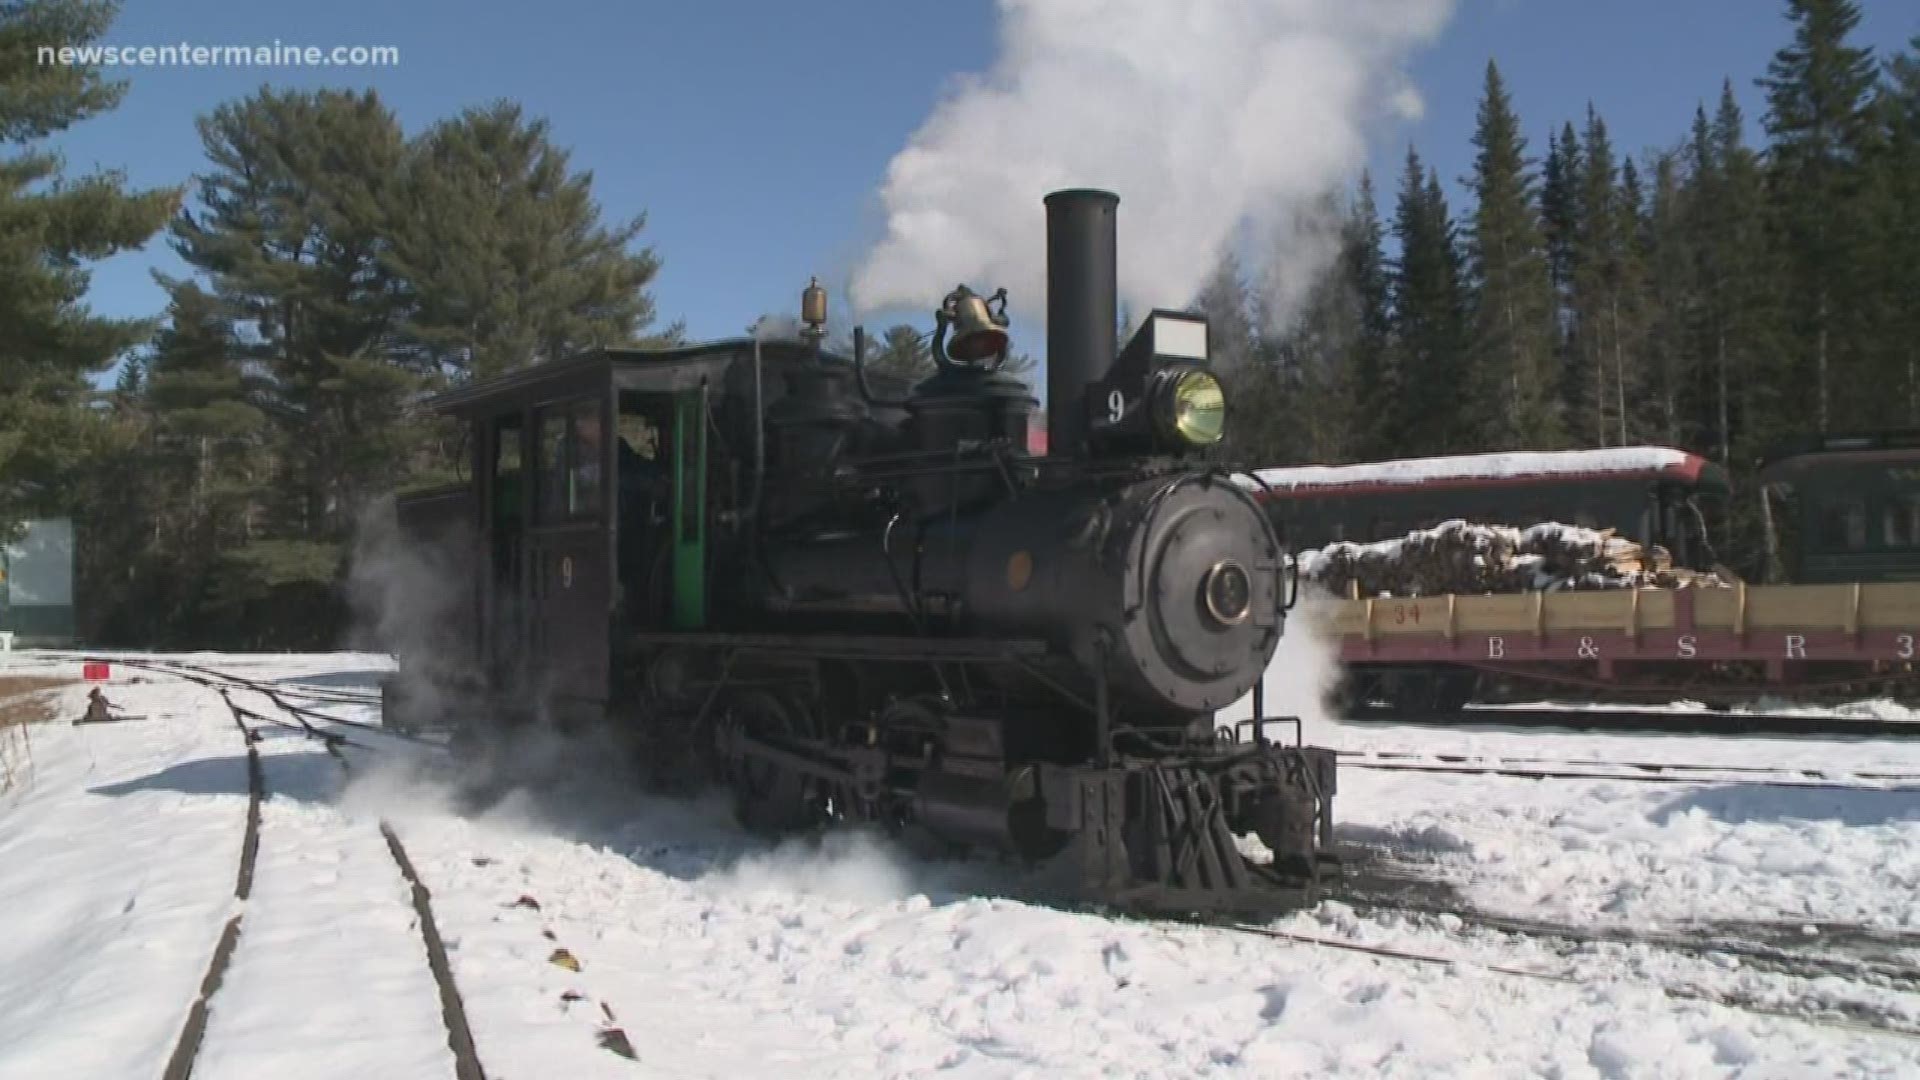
x,y
1654,495
852,606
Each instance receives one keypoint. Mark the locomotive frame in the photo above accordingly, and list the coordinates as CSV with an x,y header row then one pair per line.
x,y
847,606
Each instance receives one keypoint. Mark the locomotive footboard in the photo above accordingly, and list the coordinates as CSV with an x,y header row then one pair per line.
x,y
1167,835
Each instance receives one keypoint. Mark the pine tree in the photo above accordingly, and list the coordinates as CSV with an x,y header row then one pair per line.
x,y
291,239
1375,380
1600,256
204,421
1319,350
1429,319
1258,431
1512,373
1818,121
54,225
1895,226
1560,221
1660,287
1735,277
903,351
500,254
1228,305
1633,376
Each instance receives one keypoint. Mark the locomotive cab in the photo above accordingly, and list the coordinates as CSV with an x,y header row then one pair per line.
x,y
597,482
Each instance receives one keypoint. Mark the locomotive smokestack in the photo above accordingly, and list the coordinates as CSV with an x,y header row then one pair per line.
x,y
1082,291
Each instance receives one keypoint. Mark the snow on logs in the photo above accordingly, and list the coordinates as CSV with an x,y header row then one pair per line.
x,y
1458,557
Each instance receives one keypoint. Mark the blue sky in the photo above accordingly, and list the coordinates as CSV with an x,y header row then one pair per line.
x,y
753,134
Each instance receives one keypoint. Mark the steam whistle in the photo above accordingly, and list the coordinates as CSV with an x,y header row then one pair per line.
x,y
813,310
979,331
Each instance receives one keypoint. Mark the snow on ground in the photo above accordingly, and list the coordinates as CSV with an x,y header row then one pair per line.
x,y
1618,850
720,956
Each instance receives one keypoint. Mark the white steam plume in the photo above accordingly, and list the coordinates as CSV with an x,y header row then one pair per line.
x,y
1304,673
1203,116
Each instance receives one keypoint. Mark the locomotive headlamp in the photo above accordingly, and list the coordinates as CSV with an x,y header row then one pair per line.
x,y
1192,407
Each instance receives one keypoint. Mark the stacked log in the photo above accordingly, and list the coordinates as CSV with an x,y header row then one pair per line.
x,y
1458,557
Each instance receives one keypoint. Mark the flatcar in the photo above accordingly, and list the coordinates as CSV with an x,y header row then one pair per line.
x,y
1838,615
761,571
1658,496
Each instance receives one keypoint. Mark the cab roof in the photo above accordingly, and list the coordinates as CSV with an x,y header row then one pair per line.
x,y
679,367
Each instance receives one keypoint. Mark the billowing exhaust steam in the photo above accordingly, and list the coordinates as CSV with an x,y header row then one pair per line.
x,y
412,596
1204,116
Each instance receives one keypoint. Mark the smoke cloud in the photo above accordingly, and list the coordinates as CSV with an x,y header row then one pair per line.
x,y
1205,117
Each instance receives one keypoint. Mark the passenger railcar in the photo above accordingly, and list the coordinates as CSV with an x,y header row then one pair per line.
x,y
1845,507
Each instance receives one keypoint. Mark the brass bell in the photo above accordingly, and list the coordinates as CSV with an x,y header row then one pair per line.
x,y
977,334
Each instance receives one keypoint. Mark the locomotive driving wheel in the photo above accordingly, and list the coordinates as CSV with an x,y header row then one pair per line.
x,y
768,798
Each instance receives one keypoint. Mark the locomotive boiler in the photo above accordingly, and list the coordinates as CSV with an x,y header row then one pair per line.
x,y
852,600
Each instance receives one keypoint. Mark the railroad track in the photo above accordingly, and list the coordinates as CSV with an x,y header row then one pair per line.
x,y
1532,768
253,726
314,726
1647,720
310,720
1384,892
1835,1011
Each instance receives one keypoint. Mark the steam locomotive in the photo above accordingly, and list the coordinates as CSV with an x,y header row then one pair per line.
x,y
851,605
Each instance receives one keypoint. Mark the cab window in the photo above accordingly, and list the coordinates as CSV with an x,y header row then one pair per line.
x,y
507,473
589,459
570,460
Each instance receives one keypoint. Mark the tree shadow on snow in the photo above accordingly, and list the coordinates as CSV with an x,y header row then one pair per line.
x,y
202,776
368,679
303,777
1742,804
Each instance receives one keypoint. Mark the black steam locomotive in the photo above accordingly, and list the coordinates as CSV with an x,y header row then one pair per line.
x,y
848,604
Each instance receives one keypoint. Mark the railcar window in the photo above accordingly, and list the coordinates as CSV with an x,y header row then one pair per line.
x,y
1900,522
1843,525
